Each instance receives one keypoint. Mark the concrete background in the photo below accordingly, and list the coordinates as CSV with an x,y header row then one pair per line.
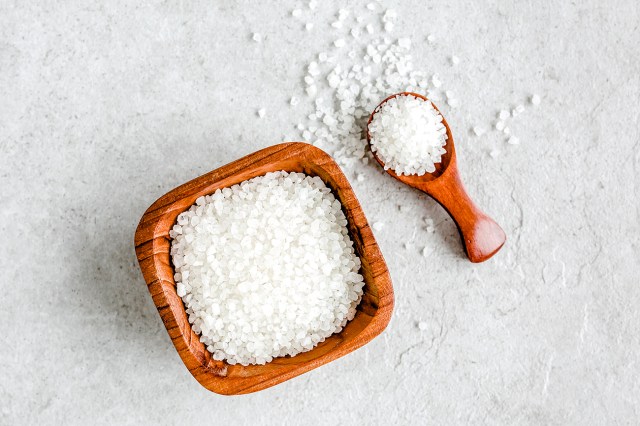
x,y
106,106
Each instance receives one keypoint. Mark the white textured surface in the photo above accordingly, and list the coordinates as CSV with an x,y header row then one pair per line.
x,y
104,108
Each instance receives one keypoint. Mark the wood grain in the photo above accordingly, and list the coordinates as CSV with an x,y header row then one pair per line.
x,y
482,236
152,244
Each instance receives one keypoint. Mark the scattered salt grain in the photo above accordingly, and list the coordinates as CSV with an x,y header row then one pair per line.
x,y
339,43
360,177
506,131
405,43
431,38
517,110
494,153
513,141
313,4
371,6
455,60
294,101
425,252
377,226
504,114
256,37
296,13
535,100
478,131
423,325
408,135
308,26
369,28
500,125
261,112
266,268
336,24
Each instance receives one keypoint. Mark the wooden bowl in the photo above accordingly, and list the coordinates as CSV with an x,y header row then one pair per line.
x,y
152,244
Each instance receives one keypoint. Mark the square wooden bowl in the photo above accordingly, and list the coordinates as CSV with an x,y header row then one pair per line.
x,y
152,249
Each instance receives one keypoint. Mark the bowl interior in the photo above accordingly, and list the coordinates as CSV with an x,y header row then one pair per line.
x,y
153,244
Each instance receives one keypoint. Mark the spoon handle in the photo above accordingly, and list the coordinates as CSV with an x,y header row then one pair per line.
x,y
481,235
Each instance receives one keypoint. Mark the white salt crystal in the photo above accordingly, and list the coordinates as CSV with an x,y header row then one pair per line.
x,y
425,252
371,6
247,293
423,325
479,131
506,130
360,177
261,112
336,24
513,140
500,125
294,101
455,60
313,4
405,43
342,14
431,38
517,110
322,56
339,43
256,37
535,100
369,28
494,153
504,114
388,26
312,90
377,226
308,26
296,13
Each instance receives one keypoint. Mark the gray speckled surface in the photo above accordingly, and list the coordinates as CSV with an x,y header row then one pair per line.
x,y
103,108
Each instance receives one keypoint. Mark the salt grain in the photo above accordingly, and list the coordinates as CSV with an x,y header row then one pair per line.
x,y
504,114
296,13
535,100
377,226
479,131
266,268
339,43
500,125
513,140
261,112
256,37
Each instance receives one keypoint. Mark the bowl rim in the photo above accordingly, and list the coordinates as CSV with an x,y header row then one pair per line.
x,y
152,245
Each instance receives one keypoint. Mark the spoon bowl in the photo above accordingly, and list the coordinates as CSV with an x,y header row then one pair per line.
x,y
481,235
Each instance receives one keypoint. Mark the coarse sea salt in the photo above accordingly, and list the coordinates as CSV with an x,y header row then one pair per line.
x,y
408,135
266,268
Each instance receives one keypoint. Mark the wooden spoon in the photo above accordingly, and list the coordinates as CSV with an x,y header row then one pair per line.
x,y
481,235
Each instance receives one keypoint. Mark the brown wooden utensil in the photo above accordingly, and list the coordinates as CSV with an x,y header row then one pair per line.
x,y
153,243
481,235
